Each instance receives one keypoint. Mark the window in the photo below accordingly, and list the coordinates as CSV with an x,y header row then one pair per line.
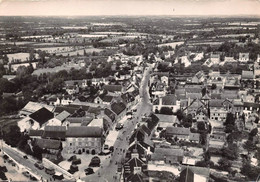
x,y
70,144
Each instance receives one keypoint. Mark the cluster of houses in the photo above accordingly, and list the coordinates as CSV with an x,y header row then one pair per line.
x,y
162,141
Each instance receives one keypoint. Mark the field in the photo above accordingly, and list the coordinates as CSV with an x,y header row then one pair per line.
x,y
19,56
80,52
173,44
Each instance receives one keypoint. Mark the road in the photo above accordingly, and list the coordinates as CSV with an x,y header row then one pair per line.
x,y
28,163
108,171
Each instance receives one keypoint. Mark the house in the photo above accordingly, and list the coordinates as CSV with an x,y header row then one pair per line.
x,y
54,132
215,58
83,139
194,174
50,147
113,90
59,119
35,120
71,90
217,110
194,137
167,155
169,101
32,107
166,120
141,147
135,169
247,75
179,132
249,108
229,60
199,77
244,57
103,99
119,108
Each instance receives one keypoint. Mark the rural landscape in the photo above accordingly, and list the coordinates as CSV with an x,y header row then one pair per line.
x,y
130,98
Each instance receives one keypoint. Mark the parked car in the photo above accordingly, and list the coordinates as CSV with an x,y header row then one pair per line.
x,y
25,157
76,161
95,162
32,178
74,157
119,126
58,176
39,165
89,171
26,173
50,171
129,113
119,167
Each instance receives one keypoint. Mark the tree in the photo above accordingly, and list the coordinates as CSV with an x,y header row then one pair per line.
x,y
214,86
249,146
250,171
166,110
201,126
224,164
12,137
204,91
179,114
253,132
230,119
230,152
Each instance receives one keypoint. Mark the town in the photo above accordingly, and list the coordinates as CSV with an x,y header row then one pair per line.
x,y
130,99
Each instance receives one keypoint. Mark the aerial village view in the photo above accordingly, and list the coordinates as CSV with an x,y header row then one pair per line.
x,y
129,98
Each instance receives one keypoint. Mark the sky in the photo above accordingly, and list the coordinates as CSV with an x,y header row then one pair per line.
x,y
128,7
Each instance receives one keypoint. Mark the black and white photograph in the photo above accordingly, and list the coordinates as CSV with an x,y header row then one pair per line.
x,y
130,90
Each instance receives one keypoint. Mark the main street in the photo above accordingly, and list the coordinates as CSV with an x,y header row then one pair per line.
x,y
108,170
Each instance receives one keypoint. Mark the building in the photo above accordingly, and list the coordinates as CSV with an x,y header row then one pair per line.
x,y
168,101
244,57
83,139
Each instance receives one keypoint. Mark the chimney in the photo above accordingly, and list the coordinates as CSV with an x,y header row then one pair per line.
x,y
160,101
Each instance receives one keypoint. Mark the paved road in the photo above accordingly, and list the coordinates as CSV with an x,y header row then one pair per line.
x,y
109,167
28,163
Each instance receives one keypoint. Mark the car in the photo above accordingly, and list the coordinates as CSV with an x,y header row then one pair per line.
x,y
89,171
25,157
26,173
129,113
39,165
119,126
95,162
50,171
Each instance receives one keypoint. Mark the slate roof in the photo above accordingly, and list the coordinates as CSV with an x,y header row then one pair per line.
x,y
152,121
160,153
216,103
31,107
194,136
188,173
112,88
110,114
166,118
42,115
169,100
48,143
106,98
35,132
118,108
54,132
247,75
84,131
177,130
137,177
62,116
